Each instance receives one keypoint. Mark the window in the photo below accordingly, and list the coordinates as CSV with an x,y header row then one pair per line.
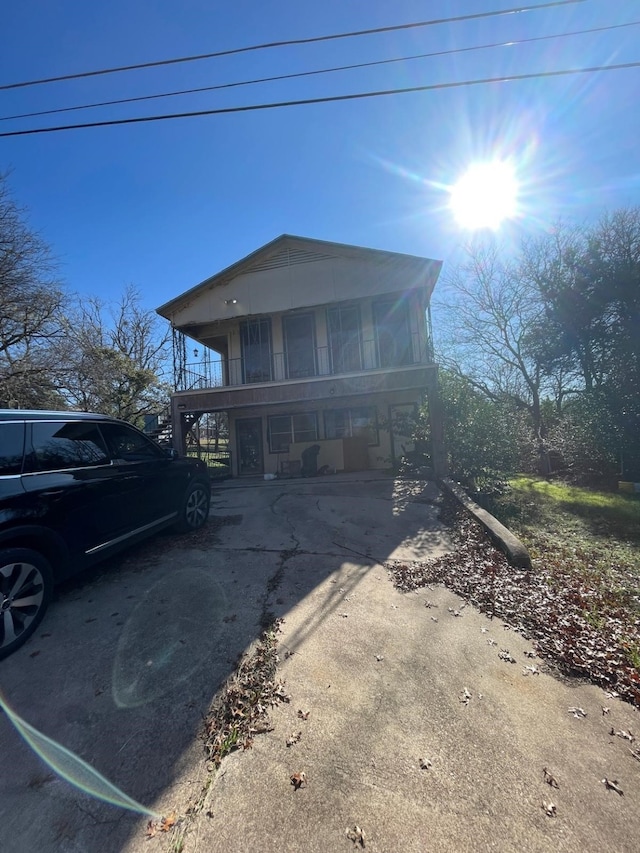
x,y
255,336
393,332
348,423
345,348
298,331
289,429
56,446
11,448
129,444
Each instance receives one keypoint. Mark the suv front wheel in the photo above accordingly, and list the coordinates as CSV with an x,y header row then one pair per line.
x,y
26,583
195,507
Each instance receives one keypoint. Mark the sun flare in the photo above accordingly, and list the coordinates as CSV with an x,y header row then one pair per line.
x,y
485,195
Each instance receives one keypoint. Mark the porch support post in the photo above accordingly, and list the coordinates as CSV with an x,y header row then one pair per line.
x,y
436,422
177,427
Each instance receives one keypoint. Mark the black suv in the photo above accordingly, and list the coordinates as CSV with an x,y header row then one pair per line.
x,y
74,489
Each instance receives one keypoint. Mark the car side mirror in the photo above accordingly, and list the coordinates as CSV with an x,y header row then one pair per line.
x,y
172,453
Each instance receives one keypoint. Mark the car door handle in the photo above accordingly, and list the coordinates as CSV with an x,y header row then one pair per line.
x,y
52,493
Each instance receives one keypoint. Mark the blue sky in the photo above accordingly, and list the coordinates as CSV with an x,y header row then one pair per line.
x,y
164,205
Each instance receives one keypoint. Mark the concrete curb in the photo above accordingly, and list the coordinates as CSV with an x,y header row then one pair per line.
x,y
516,553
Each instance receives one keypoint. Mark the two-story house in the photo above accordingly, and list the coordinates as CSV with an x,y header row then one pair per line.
x,y
308,343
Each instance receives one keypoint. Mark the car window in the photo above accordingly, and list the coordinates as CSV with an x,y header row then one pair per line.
x,y
55,446
11,448
127,443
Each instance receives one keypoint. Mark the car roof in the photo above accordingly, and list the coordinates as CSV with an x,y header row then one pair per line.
x,y
42,415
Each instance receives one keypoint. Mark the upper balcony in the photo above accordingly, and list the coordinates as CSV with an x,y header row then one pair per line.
x,y
302,364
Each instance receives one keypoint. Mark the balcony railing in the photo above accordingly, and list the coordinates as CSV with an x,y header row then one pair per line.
x,y
303,364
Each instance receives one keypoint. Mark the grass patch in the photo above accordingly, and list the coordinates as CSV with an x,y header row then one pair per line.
x,y
562,507
580,601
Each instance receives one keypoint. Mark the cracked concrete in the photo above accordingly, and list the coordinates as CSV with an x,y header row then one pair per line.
x,y
130,657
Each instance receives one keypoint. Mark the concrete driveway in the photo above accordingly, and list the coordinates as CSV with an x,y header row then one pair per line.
x,y
418,732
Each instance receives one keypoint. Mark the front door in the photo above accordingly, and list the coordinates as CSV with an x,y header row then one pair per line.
x,y
249,442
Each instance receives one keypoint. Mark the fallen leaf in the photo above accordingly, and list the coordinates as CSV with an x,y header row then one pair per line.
x,y
484,630
298,780
577,712
605,710
379,657
612,785
622,734
167,822
549,808
152,829
344,615
304,715
635,753
434,619
356,835
506,655
425,764
294,738
531,669
465,696
491,642
549,779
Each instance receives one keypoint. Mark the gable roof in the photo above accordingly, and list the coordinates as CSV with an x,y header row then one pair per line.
x,y
289,250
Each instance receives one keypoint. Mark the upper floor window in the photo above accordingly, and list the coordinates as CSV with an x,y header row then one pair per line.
x,y
255,337
299,345
345,344
393,332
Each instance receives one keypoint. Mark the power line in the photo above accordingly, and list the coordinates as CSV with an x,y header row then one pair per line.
x,y
290,42
300,74
328,99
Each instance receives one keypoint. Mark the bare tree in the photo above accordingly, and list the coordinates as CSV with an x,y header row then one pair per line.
x,y
114,359
488,333
31,309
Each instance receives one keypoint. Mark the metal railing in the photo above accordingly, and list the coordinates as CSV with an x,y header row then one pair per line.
x,y
313,362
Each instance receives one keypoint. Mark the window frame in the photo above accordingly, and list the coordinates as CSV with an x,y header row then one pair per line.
x,y
349,411
294,435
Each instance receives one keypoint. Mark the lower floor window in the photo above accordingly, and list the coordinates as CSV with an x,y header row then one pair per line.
x,y
348,423
289,429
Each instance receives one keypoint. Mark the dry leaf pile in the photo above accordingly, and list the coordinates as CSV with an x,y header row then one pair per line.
x,y
241,709
576,621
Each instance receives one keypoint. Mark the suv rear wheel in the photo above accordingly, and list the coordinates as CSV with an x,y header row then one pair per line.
x,y
26,582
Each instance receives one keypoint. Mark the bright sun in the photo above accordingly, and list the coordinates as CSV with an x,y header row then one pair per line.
x,y
485,195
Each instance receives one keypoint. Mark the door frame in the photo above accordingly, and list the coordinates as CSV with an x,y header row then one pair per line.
x,y
259,469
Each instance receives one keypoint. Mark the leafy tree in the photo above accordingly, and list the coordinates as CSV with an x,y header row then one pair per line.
x,y
589,282
32,303
481,434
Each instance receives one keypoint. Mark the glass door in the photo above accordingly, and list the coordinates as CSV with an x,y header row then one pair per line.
x,y
249,443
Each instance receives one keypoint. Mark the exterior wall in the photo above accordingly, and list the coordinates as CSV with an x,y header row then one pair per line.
x,y
285,286
332,452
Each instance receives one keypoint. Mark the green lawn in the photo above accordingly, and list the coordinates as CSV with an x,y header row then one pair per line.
x,y
587,544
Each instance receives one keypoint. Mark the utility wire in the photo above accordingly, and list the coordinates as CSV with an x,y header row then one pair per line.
x,y
290,42
328,99
300,74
